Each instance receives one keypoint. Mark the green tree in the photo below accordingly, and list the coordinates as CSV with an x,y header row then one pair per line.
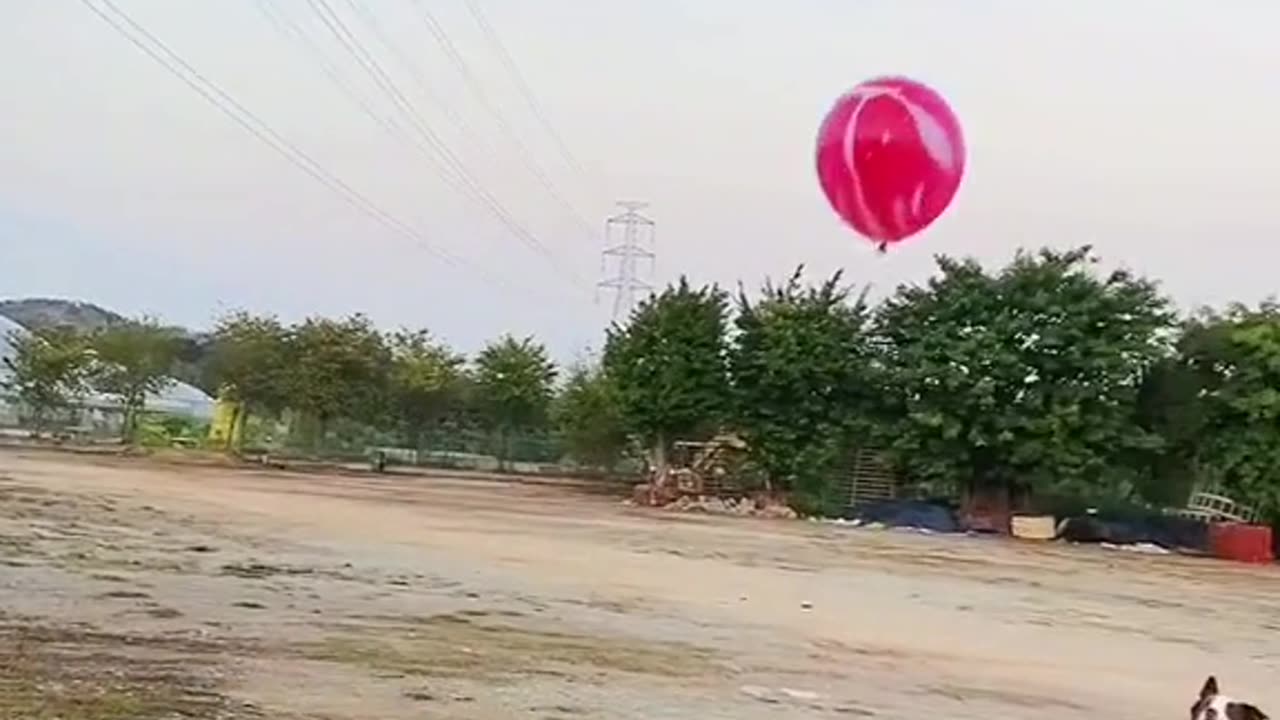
x,y
337,369
801,364
1024,378
248,363
668,366
1219,406
48,370
425,382
133,360
589,420
514,383
1172,405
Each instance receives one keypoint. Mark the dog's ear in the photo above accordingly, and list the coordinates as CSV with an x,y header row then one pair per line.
x,y
1244,711
1210,688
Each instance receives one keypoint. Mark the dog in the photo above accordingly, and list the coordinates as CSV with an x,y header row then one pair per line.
x,y
1213,705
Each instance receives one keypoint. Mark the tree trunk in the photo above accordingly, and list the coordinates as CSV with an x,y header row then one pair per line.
x,y
321,430
37,421
128,423
659,453
504,447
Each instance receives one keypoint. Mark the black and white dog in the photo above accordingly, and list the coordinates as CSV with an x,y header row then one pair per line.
x,y
1213,705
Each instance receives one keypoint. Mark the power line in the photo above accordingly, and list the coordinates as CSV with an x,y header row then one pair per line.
x,y
453,169
522,84
370,65
288,28
173,63
475,87
371,20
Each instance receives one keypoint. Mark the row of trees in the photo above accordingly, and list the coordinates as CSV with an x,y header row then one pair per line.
x,y
1043,375
322,370
50,370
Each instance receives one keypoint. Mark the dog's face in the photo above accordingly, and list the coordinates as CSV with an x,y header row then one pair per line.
x,y
1213,705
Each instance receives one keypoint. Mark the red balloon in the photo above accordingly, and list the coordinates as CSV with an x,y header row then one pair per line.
x,y
890,158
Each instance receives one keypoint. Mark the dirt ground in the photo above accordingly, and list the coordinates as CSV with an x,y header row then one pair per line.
x,y
133,590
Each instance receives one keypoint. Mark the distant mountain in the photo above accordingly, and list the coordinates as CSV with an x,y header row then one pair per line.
x,y
42,313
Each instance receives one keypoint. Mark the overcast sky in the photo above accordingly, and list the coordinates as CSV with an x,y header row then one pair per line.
x,y
1144,127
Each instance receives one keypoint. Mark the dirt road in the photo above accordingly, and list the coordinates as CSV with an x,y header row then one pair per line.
x,y
130,590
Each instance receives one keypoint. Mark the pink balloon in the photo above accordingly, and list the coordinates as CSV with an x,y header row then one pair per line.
x,y
890,158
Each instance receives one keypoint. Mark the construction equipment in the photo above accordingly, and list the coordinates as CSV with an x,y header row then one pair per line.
x,y
696,469
705,468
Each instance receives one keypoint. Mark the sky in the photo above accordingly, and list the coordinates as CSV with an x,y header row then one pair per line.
x,y
1146,128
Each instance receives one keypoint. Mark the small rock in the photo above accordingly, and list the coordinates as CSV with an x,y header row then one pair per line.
x,y
852,710
759,693
806,605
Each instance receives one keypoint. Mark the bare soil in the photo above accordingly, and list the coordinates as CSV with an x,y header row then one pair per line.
x,y
136,590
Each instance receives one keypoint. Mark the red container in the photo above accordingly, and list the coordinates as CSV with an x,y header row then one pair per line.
x,y
1241,542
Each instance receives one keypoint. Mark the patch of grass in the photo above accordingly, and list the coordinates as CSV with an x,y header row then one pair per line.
x,y
65,673
124,595
455,646
32,695
15,544
109,577
164,613
258,571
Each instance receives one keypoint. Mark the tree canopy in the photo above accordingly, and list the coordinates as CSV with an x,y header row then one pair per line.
x,y
803,379
48,371
668,365
1218,403
425,381
589,420
133,360
250,360
337,369
1025,376
514,384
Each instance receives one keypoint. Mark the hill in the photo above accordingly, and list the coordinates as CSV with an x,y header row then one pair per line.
x,y
41,313
85,317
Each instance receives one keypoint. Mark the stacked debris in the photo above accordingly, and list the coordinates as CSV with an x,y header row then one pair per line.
x,y
759,506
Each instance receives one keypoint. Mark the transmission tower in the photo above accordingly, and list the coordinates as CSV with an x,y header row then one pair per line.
x,y
629,244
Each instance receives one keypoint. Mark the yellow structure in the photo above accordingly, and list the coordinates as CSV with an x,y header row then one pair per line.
x,y
227,428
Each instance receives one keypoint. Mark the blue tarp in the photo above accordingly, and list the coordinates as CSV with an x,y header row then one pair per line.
x,y
906,513
1167,531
